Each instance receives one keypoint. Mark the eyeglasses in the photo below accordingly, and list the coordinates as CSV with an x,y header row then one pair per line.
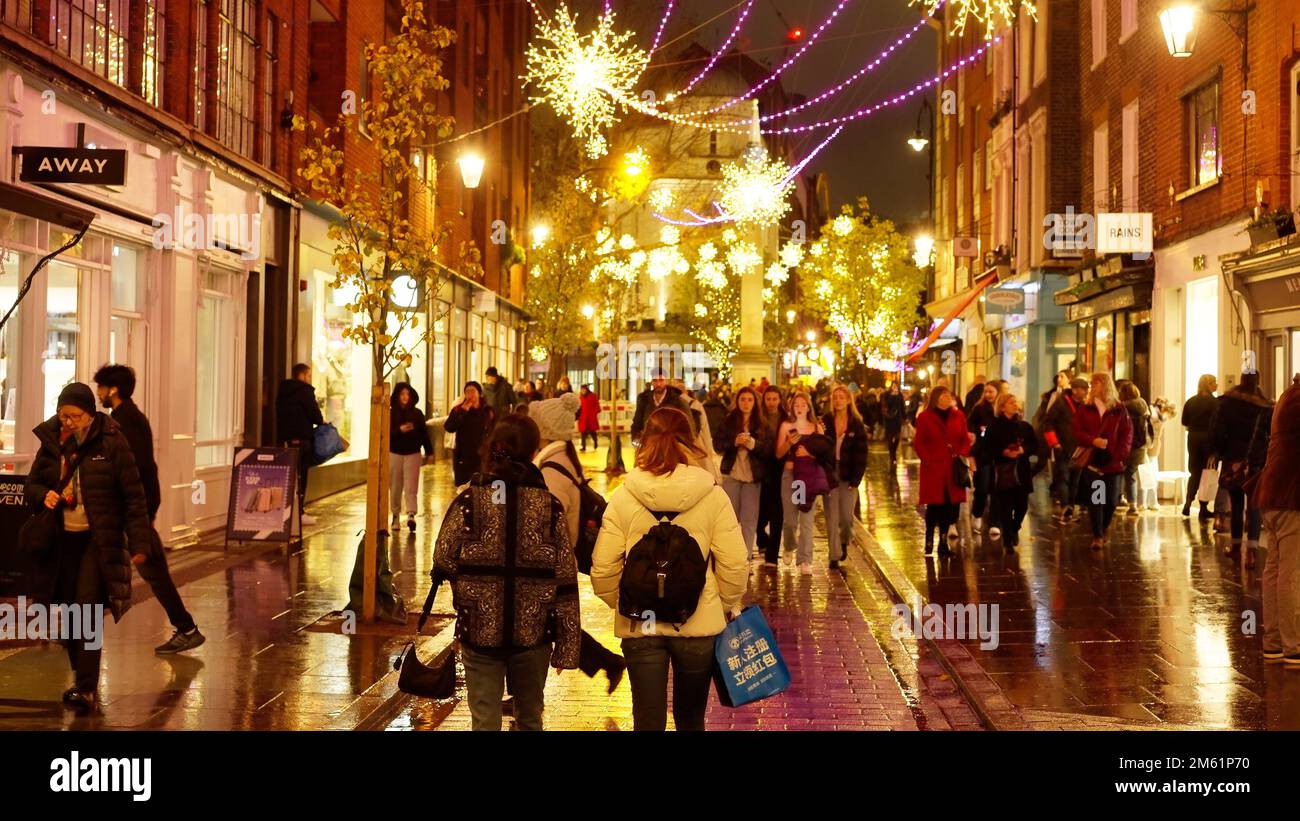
x,y
72,419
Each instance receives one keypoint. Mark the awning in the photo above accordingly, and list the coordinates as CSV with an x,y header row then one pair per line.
x,y
964,301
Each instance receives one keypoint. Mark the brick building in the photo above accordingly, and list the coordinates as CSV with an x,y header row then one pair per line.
x,y
201,95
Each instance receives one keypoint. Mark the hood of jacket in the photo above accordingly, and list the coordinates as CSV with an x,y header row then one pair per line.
x,y
415,395
680,490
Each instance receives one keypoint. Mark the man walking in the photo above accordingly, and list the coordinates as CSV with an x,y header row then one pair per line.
x,y
1277,495
498,394
296,418
657,395
115,385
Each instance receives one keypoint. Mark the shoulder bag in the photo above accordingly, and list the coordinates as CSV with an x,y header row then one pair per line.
x,y
37,535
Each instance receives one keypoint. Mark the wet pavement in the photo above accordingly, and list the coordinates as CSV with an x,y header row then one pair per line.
x,y
1153,630
1147,633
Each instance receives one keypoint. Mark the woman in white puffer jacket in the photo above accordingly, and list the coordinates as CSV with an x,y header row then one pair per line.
x,y
664,480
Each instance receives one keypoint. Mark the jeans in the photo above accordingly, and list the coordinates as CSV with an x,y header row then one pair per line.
x,y
771,515
155,573
839,520
1101,491
404,478
648,659
1062,476
1007,508
1244,519
79,581
1131,484
1282,581
797,525
744,500
892,437
941,517
485,679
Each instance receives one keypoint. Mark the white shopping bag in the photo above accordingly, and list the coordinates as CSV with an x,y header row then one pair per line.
x,y
1147,476
1209,483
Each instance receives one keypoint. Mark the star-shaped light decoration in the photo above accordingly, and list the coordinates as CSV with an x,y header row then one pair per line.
x,y
754,190
582,75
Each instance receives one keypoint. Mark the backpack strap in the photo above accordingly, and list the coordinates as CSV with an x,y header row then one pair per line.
x,y
556,466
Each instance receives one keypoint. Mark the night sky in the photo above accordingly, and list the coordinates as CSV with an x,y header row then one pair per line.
x,y
871,156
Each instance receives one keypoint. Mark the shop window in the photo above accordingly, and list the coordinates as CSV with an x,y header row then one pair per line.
x,y
341,371
92,33
62,331
154,52
126,336
215,374
1204,160
11,279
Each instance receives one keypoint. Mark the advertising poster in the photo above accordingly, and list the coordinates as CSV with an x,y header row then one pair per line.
x,y
13,512
263,488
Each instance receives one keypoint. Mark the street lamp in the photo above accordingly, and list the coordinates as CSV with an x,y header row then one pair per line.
x,y
924,249
471,169
811,336
919,143
588,311
1179,26
541,232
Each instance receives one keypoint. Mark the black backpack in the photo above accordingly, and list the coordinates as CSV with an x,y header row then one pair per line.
x,y
663,574
591,512
1142,431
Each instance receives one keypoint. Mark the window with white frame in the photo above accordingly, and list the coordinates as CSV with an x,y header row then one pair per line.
x,y
127,335
1129,173
217,395
1098,31
1100,168
1043,34
1128,19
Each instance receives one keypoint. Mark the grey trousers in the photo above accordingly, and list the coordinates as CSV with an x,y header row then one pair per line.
x,y
485,680
744,500
404,479
1282,581
840,519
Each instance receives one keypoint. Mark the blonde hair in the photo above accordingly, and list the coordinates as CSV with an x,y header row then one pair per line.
x,y
1206,383
852,408
800,394
1002,400
1109,394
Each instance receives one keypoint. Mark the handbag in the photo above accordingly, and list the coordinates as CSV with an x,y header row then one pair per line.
x,y
37,535
1209,487
326,443
419,679
960,469
810,472
747,664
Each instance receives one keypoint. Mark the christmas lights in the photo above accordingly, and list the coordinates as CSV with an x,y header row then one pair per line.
x,y
993,13
582,77
777,73
718,52
754,191
663,23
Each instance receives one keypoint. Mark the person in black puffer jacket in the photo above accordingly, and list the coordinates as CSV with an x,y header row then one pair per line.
x,y
1008,444
1198,418
1239,440
407,436
100,513
296,417
471,419
978,419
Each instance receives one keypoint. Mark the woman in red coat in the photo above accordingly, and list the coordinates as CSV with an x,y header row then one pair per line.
x,y
1103,424
588,417
940,436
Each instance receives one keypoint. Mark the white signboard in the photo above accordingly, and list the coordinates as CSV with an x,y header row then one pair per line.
x,y
1124,233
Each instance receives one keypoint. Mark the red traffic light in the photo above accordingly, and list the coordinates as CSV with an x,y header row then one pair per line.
x,y
794,35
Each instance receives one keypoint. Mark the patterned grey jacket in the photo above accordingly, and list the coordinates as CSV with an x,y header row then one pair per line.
x,y
504,545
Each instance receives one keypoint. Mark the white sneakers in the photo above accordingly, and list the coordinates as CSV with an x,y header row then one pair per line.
x,y
995,533
308,519
788,558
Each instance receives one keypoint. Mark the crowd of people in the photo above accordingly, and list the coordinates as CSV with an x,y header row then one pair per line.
x,y
726,479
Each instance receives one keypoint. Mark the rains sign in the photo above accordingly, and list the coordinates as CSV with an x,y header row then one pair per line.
x,y
1124,233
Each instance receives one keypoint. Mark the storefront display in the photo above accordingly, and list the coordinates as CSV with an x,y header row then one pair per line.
x,y
341,370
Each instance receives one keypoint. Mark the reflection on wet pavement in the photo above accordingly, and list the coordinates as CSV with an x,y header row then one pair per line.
x,y
1154,628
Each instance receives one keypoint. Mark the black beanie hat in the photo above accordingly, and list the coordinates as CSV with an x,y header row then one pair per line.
x,y
78,395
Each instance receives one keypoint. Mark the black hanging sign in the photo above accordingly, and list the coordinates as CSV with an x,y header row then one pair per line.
x,y
88,166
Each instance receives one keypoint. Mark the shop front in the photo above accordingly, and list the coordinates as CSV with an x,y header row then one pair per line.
x,y
1269,279
1109,303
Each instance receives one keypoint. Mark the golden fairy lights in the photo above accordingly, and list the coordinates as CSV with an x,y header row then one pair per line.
x,y
755,191
992,13
582,76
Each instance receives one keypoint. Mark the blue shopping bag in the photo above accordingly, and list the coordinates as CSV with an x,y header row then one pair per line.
x,y
327,443
747,663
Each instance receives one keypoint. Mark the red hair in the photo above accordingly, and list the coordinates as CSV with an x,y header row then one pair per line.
x,y
667,441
